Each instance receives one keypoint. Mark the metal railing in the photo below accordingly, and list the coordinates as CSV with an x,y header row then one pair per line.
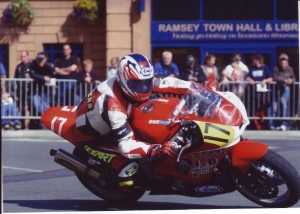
x,y
32,99
267,100
69,92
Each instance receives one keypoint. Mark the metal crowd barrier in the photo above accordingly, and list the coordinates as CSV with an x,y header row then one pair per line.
x,y
69,92
59,93
265,100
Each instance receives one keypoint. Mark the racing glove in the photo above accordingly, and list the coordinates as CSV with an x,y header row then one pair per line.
x,y
168,148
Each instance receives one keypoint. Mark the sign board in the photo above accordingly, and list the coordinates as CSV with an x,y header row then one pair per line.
x,y
221,30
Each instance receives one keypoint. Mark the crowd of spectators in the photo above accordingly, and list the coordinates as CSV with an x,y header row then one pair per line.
x,y
63,82
69,79
250,83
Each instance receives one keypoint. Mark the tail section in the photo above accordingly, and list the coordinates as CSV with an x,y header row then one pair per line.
x,y
60,120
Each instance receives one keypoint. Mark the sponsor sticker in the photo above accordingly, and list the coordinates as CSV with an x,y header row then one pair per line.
x,y
209,188
106,157
163,100
208,154
147,108
160,122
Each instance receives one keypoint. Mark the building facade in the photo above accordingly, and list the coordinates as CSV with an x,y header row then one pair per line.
x,y
268,27
197,27
120,29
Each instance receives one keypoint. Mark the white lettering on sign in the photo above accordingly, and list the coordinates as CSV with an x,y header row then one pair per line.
x,y
183,36
286,27
277,35
218,27
178,27
248,27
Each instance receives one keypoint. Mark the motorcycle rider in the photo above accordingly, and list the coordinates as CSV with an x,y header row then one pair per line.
x,y
103,114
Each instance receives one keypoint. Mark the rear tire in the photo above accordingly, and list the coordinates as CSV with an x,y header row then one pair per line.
x,y
270,182
108,194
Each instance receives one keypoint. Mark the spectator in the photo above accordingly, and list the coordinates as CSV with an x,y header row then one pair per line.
x,y
284,76
166,67
112,69
258,77
87,78
244,67
65,69
8,106
41,72
192,71
234,75
23,88
209,68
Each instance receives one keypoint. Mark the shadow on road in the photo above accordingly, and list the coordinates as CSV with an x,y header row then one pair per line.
x,y
98,205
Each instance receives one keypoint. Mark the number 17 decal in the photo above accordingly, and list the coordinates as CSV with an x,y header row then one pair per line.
x,y
62,119
216,133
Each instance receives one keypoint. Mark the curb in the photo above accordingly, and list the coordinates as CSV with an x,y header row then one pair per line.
x,y
247,134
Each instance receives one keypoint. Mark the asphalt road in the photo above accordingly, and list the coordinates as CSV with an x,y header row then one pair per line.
x,y
33,182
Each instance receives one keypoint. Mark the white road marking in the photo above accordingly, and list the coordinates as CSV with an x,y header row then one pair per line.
x,y
273,147
22,169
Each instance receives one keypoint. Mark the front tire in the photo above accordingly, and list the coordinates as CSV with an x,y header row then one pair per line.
x,y
270,182
111,194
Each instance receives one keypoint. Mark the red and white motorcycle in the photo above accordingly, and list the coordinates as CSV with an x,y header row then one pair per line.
x,y
213,159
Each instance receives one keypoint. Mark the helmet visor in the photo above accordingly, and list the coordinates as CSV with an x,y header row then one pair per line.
x,y
140,86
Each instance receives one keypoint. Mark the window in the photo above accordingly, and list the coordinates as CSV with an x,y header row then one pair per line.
x,y
55,50
168,10
287,10
4,57
238,9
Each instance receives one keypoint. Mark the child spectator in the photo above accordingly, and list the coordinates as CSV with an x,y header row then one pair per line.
x,y
87,78
112,69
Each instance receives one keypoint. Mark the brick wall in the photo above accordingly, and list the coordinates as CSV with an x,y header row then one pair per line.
x,y
121,29
53,24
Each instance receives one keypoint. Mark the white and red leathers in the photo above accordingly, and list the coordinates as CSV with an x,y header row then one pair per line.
x,y
105,110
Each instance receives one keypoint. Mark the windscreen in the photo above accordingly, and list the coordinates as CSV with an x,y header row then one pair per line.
x,y
201,102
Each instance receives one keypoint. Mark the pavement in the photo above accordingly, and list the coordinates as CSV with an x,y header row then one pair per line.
x,y
294,134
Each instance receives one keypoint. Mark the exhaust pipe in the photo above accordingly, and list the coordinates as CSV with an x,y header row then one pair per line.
x,y
73,163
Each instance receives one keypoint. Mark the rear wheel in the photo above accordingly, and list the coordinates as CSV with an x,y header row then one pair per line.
x,y
102,189
271,182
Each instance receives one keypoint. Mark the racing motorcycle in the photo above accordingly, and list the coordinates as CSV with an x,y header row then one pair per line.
x,y
213,157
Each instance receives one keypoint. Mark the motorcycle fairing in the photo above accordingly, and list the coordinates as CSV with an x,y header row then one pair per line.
x,y
61,120
246,152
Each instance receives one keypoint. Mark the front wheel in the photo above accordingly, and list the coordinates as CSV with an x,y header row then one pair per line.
x,y
107,193
271,182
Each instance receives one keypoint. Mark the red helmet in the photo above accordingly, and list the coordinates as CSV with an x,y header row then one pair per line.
x,y
134,75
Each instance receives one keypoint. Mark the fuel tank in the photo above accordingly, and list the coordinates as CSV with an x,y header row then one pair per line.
x,y
151,120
